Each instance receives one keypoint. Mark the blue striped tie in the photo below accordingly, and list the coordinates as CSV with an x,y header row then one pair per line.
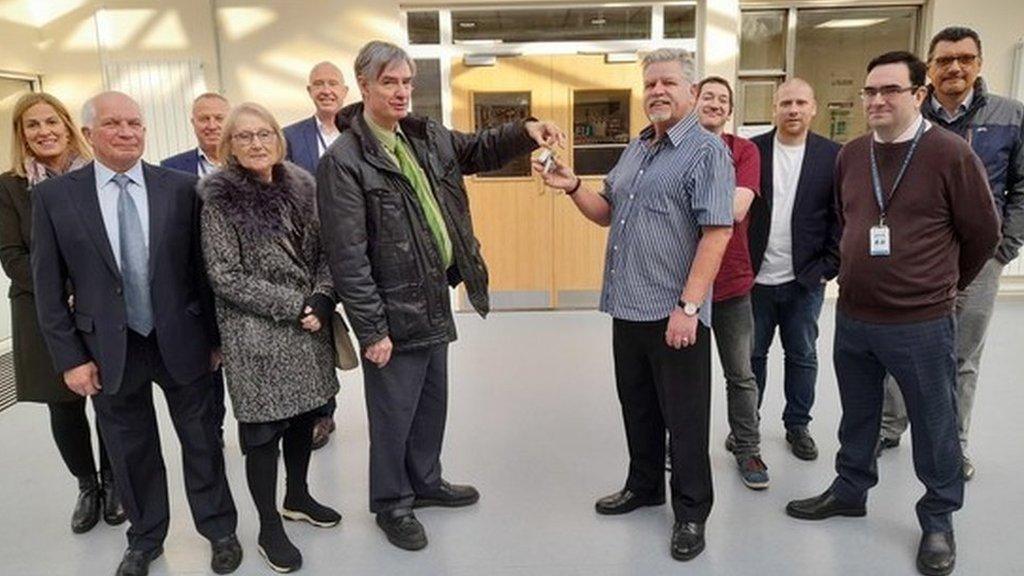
x,y
134,260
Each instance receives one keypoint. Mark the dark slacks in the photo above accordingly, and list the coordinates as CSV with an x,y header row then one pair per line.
x,y
407,406
129,426
663,388
922,358
70,426
794,310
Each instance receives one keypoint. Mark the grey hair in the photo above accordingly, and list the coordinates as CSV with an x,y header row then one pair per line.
x,y
89,112
683,57
89,108
377,55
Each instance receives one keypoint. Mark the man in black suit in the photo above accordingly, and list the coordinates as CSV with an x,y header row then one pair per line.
x,y
795,252
125,235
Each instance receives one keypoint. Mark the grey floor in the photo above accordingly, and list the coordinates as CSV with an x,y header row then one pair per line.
x,y
534,423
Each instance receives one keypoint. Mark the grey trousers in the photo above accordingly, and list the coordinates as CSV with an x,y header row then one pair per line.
x,y
733,324
974,307
407,406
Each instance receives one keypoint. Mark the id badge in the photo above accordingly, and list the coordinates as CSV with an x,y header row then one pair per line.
x,y
879,241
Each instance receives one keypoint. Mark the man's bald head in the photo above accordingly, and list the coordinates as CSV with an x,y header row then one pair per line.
x,y
327,89
795,108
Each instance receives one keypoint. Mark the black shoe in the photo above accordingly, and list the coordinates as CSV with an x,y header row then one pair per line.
x,y
322,429
823,506
306,509
113,511
403,529
87,508
885,444
730,443
968,469
801,443
227,555
936,556
448,496
687,540
277,550
625,501
136,562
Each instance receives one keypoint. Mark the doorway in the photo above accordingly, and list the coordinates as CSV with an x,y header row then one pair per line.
x,y
541,252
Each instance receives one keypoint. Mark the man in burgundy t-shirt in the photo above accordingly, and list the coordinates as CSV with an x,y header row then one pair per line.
x,y
732,319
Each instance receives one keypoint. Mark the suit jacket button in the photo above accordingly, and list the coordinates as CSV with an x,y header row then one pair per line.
x,y
118,290
121,328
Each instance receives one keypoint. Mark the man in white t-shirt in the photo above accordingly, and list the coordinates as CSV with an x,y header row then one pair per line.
x,y
794,250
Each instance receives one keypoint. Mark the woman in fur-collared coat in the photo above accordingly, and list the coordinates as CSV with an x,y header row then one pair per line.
x,y
261,242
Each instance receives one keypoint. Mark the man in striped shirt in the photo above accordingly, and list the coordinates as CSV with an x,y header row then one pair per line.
x,y
668,202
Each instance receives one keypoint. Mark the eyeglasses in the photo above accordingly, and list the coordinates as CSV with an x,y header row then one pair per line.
x,y
246,138
963,59
888,91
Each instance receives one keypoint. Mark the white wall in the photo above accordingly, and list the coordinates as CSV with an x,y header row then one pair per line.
x,y
1000,24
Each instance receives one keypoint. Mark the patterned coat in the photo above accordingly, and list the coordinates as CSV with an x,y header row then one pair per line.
x,y
263,256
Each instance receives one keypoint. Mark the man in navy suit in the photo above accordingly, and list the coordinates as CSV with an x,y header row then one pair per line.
x,y
307,141
125,235
209,111
795,252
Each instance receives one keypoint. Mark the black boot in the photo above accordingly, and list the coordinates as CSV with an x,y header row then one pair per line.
x,y
277,549
87,509
113,512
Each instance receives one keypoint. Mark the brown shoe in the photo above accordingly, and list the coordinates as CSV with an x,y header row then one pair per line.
x,y
322,431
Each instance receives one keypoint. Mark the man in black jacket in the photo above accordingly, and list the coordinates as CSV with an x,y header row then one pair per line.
x,y
795,251
397,230
125,234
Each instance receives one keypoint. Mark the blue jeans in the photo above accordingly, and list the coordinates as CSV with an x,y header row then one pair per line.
x,y
922,358
794,310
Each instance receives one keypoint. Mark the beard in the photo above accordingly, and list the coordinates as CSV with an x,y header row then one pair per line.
x,y
659,116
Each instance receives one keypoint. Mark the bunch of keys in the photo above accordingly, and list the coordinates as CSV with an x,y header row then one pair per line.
x,y
547,158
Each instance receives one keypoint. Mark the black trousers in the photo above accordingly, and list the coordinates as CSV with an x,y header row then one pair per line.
x,y
218,409
407,406
129,426
663,388
922,358
70,426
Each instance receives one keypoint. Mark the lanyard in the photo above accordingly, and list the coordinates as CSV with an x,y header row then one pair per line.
x,y
876,180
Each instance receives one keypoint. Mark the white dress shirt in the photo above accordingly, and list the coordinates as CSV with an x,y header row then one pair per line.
x,y
107,192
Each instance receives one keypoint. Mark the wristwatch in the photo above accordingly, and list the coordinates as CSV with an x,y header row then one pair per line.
x,y
689,308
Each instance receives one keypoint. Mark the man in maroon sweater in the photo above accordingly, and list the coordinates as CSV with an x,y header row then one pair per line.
x,y
918,224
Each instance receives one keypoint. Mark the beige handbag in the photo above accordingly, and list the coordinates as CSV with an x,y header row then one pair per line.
x,y
345,356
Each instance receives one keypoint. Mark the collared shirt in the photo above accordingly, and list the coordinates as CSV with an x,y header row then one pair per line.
x,y
205,166
962,109
107,192
661,194
324,139
910,132
391,140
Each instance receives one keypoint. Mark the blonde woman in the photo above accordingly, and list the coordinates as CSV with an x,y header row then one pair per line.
x,y
261,241
47,143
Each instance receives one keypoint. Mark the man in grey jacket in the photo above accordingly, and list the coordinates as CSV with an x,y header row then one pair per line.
x,y
994,127
397,231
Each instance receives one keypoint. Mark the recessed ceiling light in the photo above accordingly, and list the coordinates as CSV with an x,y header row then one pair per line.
x,y
467,24
599,21
851,22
